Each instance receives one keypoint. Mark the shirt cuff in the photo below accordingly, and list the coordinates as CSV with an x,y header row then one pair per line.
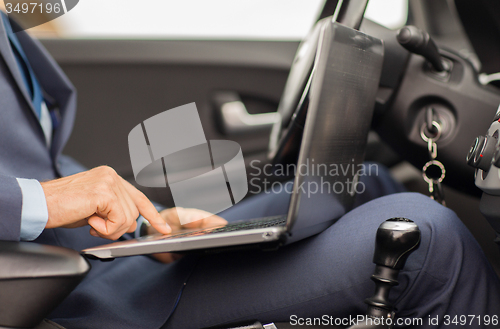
x,y
34,212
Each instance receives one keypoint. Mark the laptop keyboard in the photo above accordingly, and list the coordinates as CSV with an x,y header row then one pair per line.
x,y
232,227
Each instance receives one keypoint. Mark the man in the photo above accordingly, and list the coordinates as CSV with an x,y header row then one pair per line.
x,y
324,275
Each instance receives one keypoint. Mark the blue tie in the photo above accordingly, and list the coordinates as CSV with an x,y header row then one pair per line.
x,y
27,73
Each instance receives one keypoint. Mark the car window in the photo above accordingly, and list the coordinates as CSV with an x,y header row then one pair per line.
x,y
191,19
203,19
392,14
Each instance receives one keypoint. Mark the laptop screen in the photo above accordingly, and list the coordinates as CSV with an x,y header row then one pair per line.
x,y
341,100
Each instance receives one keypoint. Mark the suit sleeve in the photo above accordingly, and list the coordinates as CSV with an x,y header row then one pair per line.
x,y
11,201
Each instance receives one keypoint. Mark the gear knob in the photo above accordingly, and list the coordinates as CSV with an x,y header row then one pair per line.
x,y
396,239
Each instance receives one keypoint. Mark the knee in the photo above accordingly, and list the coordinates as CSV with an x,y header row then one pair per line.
x,y
441,230
443,235
438,224
449,265
427,213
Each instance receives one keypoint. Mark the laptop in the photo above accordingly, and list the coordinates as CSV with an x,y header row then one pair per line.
x,y
338,93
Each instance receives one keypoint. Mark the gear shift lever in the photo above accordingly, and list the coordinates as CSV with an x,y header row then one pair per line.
x,y
396,239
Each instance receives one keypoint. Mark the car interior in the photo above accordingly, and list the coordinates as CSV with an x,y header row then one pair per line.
x,y
439,90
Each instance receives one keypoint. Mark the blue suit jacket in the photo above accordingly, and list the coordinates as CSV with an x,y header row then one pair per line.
x,y
22,150
134,292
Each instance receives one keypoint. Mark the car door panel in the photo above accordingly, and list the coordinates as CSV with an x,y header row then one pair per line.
x,y
121,83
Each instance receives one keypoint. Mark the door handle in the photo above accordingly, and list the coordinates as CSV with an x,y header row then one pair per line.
x,y
235,116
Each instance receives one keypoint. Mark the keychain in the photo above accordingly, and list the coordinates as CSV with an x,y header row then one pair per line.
x,y
434,181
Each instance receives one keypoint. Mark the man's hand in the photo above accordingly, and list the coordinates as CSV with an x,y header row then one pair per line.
x,y
101,199
198,219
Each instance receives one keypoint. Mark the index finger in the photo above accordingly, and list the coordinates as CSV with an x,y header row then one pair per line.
x,y
147,209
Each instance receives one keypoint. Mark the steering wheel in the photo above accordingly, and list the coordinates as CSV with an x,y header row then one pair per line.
x,y
286,134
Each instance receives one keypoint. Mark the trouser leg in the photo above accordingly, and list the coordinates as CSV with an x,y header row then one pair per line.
x,y
329,274
376,182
